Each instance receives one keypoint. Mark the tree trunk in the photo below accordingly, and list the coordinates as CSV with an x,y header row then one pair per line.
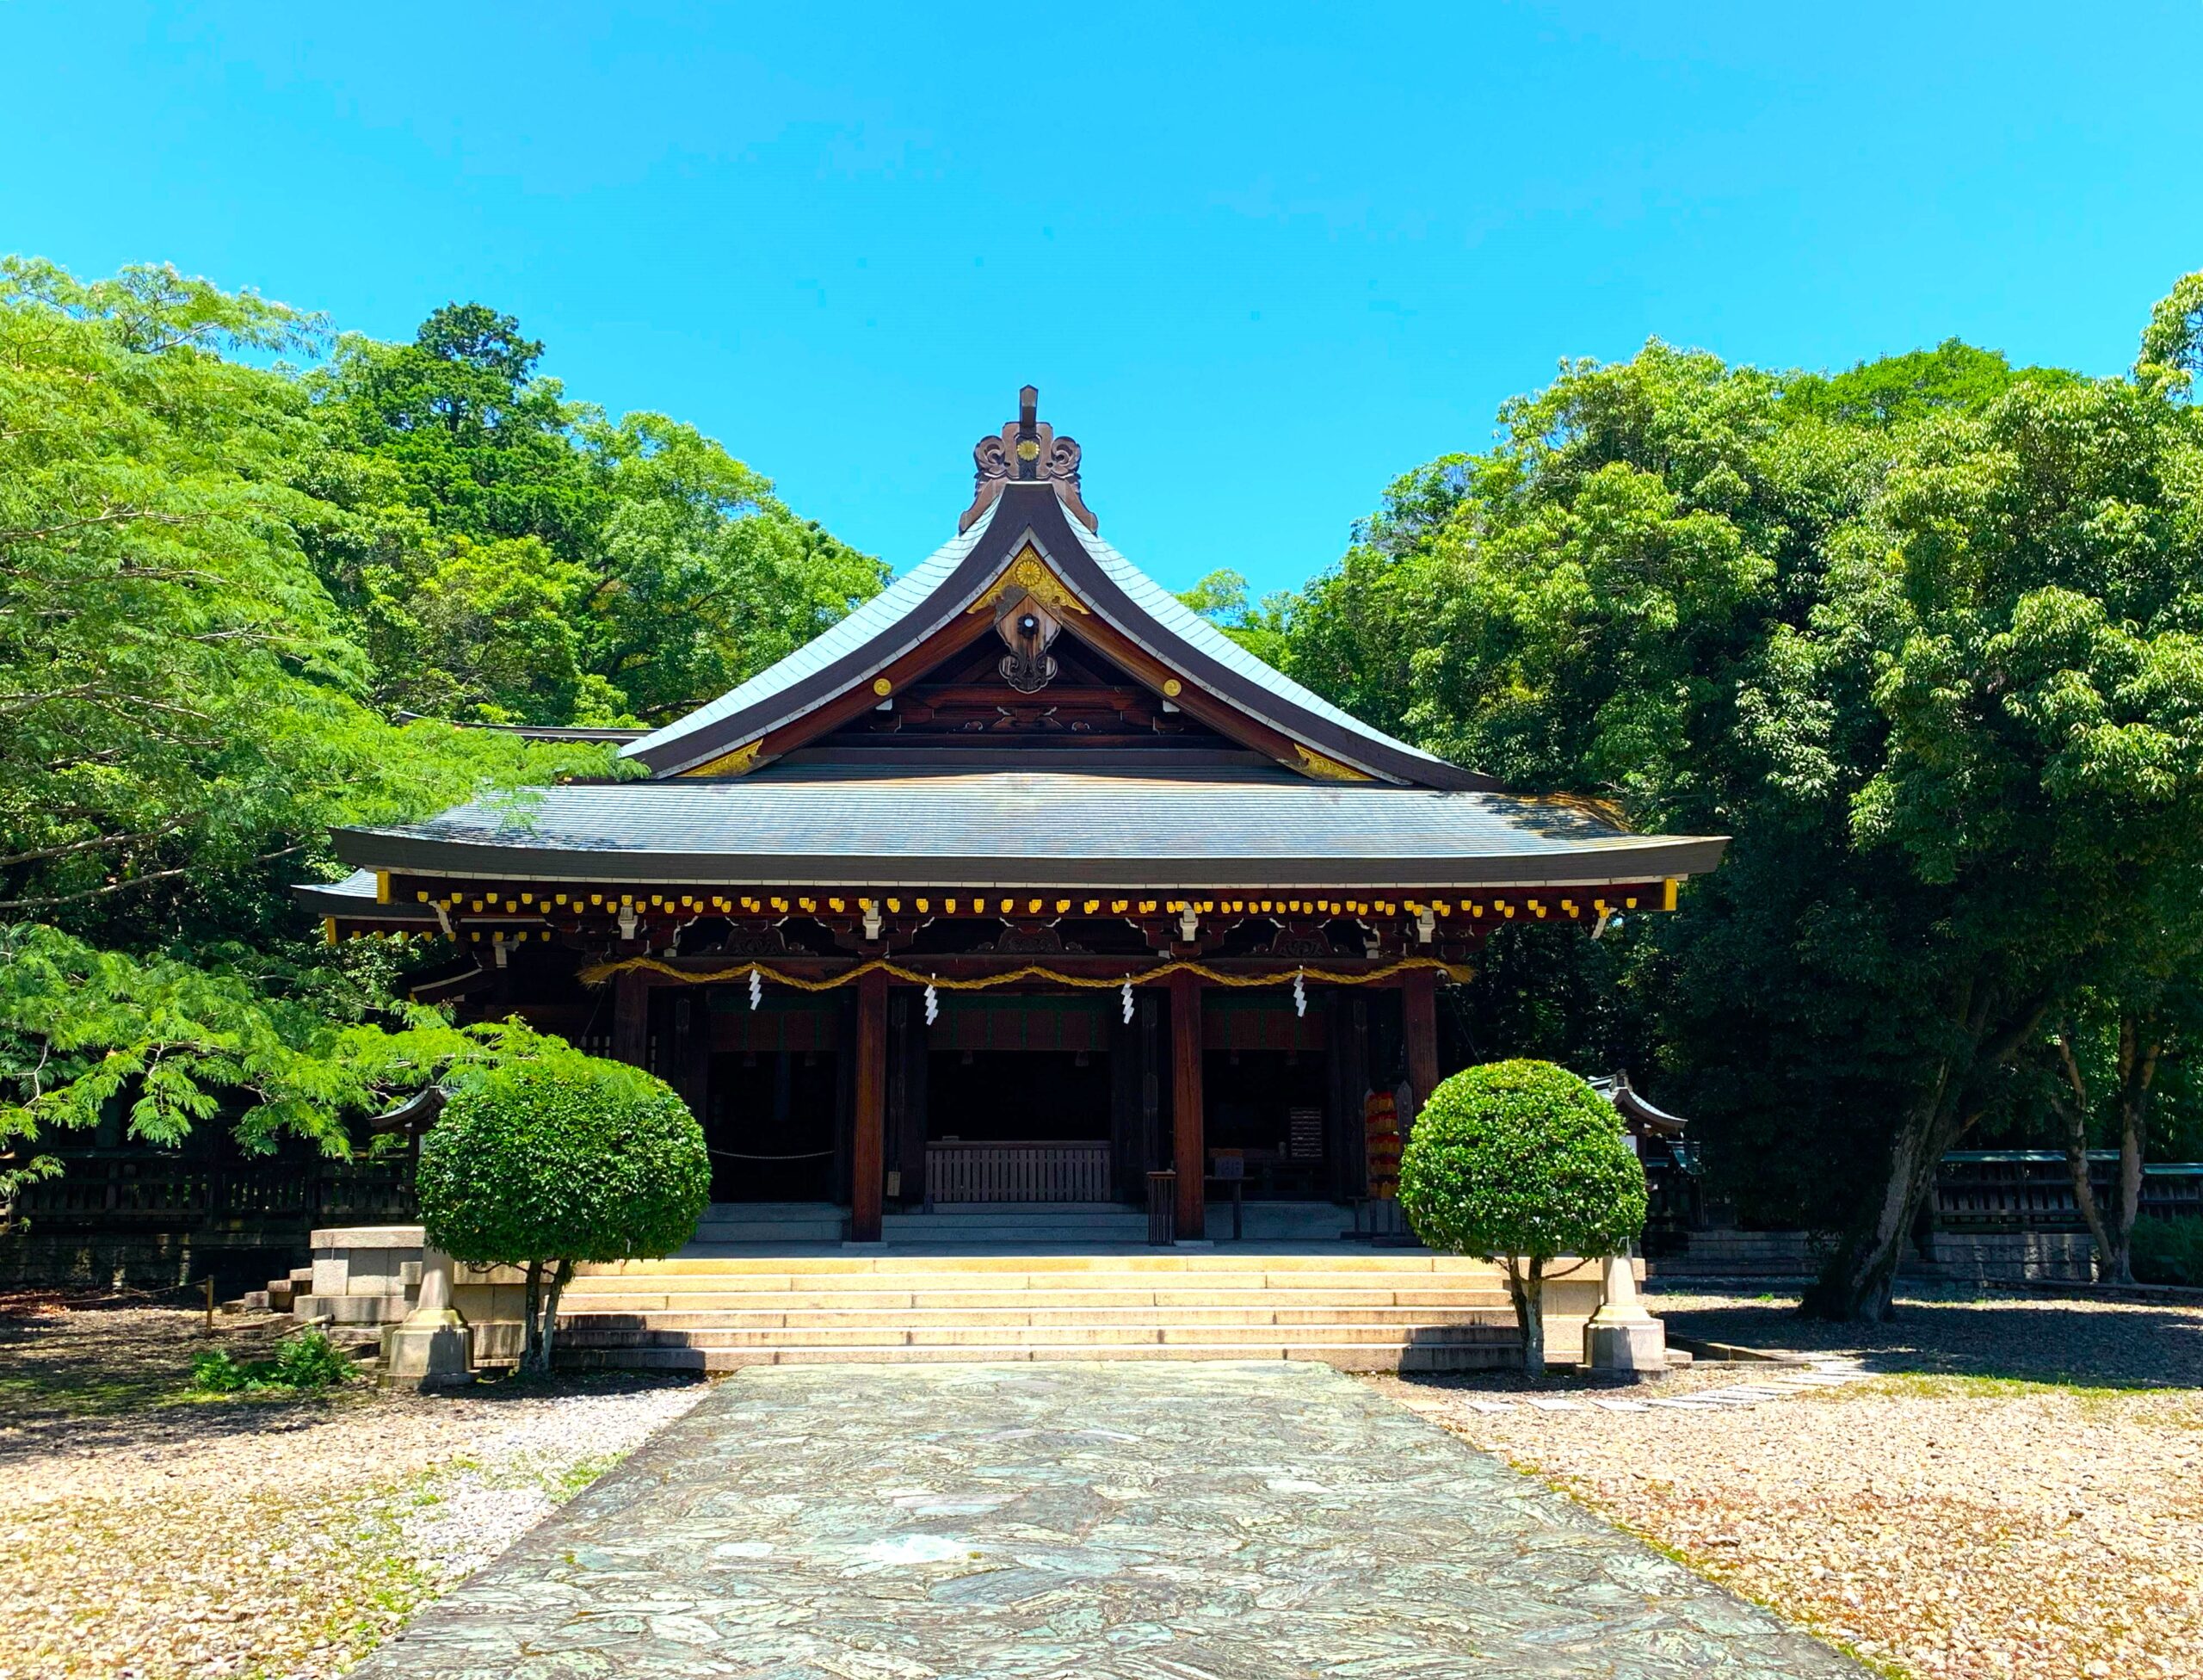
x,y
559,1279
1861,1276
2137,1067
1526,1287
2076,1116
530,1319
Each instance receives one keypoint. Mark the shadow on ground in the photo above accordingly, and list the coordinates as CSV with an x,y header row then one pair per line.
x,y
2024,1338
85,1373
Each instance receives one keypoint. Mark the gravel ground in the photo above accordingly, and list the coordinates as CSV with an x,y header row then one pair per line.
x,y
147,1534
2013,1493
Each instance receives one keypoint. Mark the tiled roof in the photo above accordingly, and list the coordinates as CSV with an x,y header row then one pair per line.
x,y
1024,828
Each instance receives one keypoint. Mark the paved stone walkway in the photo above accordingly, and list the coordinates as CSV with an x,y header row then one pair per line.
x,y
1154,1522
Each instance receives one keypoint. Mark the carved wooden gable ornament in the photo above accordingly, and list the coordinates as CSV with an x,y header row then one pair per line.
x,y
1029,451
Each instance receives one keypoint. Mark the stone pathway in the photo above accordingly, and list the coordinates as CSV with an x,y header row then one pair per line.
x,y
1068,1521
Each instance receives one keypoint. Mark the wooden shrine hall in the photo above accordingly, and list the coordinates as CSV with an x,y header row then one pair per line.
x,y
1024,882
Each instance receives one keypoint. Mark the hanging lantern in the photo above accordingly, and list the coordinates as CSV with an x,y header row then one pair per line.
x,y
932,1003
756,988
1300,992
1128,1003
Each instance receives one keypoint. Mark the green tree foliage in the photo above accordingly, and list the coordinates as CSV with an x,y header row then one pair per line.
x,y
490,521
557,1158
174,1043
223,581
2169,1251
1523,1162
1222,598
479,446
1923,637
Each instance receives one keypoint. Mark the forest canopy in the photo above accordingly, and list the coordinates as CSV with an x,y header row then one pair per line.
x,y
252,574
1926,637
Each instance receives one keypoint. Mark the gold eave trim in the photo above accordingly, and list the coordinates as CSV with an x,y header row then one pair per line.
x,y
740,762
1327,769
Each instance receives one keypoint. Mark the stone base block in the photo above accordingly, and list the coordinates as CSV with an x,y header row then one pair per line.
x,y
428,1353
1638,1346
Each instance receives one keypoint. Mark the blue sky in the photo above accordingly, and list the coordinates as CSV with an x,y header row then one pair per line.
x,y
1258,261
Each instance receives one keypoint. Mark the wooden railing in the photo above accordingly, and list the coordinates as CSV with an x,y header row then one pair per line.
x,y
1017,1171
139,1190
2033,1189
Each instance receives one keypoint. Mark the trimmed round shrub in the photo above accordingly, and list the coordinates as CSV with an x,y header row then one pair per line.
x,y
1521,1157
560,1158
1524,1161
563,1158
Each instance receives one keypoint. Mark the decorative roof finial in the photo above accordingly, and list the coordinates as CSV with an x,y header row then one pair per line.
x,y
1028,451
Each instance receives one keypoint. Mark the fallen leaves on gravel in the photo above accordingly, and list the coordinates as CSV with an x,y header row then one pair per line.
x,y
150,1537
1946,1519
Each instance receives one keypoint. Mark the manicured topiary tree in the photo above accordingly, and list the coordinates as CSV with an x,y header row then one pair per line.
x,y
558,1159
1524,1161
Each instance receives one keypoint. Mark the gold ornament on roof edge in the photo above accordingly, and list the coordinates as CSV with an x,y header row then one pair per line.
x,y
1329,769
740,762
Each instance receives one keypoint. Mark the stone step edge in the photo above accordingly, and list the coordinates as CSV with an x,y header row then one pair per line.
x,y
1139,1261
981,1317
1459,1357
1124,1335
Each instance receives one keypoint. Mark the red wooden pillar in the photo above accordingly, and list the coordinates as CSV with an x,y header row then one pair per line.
x,y
1419,1020
1188,1123
868,1150
631,1017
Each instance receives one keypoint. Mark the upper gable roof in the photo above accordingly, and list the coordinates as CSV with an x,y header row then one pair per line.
x,y
765,715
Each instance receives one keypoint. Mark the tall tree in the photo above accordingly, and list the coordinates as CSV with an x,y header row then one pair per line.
x,y
701,576
187,712
1922,637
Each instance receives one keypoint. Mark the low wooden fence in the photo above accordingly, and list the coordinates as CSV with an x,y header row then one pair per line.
x,y
1017,1171
124,1190
2032,1189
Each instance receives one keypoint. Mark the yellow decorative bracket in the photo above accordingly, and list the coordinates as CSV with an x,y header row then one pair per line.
x,y
740,762
1329,770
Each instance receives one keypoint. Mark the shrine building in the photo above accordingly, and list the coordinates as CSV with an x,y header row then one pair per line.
x,y
1024,882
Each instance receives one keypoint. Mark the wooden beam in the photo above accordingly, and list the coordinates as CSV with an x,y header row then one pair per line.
x,y
868,1155
1419,1021
1188,1119
977,965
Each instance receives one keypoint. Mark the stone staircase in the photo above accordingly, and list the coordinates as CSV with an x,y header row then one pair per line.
x,y
1358,1311
1023,1225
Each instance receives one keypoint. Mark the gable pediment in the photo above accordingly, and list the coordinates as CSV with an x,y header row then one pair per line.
x,y
916,654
